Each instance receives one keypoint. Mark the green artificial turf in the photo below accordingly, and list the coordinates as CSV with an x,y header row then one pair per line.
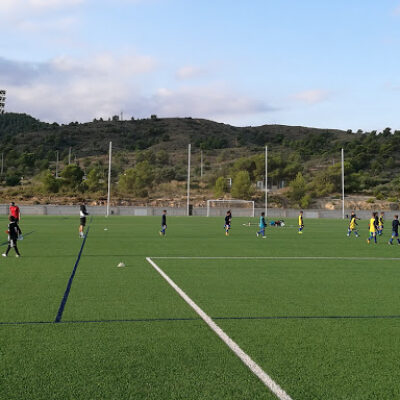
x,y
322,328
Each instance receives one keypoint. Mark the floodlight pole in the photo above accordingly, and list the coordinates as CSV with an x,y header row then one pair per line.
x,y
57,165
188,182
266,181
109,181
342,183
201,163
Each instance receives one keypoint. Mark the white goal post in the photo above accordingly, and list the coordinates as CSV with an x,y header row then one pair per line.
x,y
231,204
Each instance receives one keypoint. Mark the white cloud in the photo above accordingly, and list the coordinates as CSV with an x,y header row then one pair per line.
x,y
312,96
396,11
29,5
190,72
66,89
211,101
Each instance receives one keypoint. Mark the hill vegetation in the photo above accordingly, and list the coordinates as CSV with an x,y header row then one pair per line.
x,y
150,160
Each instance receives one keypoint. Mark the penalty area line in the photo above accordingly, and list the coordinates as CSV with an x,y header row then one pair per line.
x,y
276,258
244,357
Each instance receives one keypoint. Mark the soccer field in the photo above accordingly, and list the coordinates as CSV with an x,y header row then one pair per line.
x,y
318,313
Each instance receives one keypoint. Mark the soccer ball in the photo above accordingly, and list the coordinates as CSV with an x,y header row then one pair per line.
x,y
121,264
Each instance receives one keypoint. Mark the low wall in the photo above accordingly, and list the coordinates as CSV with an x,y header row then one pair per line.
x,y
181,211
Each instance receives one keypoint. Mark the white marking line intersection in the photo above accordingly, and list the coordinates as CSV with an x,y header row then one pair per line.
x,y
246,359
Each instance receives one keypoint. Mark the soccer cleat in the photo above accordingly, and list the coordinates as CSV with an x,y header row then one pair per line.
x,y
368,241
257,234
4,255
300,232
17,255
348,235
264,237
390,242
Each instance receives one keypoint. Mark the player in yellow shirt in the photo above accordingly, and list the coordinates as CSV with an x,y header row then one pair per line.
x,y
353,225
301,223
373,227
381,222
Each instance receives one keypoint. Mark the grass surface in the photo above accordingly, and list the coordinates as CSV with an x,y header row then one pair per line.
x,y
321,328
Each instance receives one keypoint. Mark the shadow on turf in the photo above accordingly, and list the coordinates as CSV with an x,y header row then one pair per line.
x,y
294,317
27,234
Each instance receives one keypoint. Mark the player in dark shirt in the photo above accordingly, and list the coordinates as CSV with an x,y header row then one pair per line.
x,y
14,232
82,217
163,223
228,219
395,230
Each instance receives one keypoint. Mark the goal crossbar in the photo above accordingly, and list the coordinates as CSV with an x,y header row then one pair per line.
x,y
235,201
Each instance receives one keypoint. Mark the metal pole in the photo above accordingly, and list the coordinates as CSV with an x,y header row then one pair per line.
x,y
266,181
57,165
188,181
201,163
109,181
343,183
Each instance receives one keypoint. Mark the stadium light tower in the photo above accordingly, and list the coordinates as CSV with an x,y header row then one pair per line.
x,y
2,100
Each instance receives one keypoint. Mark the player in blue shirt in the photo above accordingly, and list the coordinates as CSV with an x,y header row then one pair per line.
x,y
262,225
395,230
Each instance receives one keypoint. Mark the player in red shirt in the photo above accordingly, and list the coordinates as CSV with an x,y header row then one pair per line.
x,y
15,212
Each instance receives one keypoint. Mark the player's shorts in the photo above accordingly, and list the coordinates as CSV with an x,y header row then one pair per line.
x,y
395,234
83,221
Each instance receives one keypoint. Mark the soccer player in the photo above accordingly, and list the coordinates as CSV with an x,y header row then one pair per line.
x,y
262,225
395,230
380,223
82,214
228,219
353,225
163,223
13,232
301,223
373,225
15,212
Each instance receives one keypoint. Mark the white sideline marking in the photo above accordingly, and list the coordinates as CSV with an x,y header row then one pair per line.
x,y
279,258
252,365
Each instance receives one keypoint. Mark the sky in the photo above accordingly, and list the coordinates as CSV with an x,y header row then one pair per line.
x,y
318,63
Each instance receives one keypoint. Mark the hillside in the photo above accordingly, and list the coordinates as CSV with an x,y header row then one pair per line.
x,y
29,148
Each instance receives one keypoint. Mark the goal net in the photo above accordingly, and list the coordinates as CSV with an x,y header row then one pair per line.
x,y
239,208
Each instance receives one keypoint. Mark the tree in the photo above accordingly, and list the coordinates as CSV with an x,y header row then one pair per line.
x,y
72,175
241,187
162,158
93,180
50,183
137,180
221,187
297,188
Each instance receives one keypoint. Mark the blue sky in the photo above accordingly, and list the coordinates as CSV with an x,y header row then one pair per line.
x,y
330,64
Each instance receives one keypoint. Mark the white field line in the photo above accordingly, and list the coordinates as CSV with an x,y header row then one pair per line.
x,y
277,258
252,365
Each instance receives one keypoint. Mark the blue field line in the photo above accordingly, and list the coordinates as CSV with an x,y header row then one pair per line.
x,y
27,234
71,278
283,317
